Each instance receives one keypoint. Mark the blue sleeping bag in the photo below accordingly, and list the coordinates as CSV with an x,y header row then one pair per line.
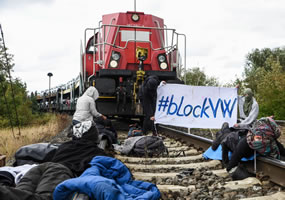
x,y
107,179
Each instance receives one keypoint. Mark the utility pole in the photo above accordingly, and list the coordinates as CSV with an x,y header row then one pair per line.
x,y
49,75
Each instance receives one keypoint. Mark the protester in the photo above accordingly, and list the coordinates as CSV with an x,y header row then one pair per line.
x,y
77,153
148,95
38,183
262,137
248,109
106,131
86,107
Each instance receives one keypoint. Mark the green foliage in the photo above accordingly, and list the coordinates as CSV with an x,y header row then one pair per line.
x,y
264,73
196,76
35,107
271,90
257,60
22,103
42,118
15,105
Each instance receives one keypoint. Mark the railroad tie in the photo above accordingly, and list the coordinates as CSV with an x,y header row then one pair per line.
x,y
140,167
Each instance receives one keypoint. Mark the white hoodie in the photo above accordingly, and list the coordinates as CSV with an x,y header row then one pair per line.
x,y
85,107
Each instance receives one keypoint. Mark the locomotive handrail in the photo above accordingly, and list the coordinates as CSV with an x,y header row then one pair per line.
x,y
100,56
137,41
167,48
134,27
105,39
161,38
106,36
184,52
138,27
84,73
120,26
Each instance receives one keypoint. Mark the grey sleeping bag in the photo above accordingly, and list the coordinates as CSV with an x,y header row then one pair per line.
x,y
35,153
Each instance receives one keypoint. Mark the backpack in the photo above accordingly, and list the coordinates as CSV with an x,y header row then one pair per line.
x,y
149,146
262,137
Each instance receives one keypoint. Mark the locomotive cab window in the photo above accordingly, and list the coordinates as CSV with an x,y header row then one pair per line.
x,y
135,35
90,45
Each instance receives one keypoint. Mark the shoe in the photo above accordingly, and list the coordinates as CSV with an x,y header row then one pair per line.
x,y
225,127
239,173
220,135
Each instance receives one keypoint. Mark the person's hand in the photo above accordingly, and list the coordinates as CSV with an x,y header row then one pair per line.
x,y
237,86
152,118
104,117
162,83
236,125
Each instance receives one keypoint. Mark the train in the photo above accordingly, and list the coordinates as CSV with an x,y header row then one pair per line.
x,y
116,58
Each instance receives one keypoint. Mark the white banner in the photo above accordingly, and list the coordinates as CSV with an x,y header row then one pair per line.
x,y
196,106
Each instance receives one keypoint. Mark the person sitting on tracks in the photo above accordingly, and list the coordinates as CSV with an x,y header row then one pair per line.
x,y
106,131
262,137
248,109
86,107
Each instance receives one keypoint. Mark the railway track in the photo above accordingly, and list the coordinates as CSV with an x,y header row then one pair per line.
x,y
185,174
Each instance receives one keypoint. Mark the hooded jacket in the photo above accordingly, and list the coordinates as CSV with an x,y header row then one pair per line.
x,y
86,107
149,95
247,120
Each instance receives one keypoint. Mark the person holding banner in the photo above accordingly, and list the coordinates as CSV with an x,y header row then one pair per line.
x,y
248,109
148,96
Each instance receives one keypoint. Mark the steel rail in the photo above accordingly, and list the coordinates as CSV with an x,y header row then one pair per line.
x,y
273,168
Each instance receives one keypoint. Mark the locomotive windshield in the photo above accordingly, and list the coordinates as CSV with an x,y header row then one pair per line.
x,y
135,35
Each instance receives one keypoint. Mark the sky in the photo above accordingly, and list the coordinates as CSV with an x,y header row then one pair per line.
x,y
44,35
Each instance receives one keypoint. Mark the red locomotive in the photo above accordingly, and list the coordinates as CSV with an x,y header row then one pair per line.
x,y
122,52
117,56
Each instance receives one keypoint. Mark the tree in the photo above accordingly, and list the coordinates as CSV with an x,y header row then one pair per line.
x,y
15,107
271,90
257,60
196,76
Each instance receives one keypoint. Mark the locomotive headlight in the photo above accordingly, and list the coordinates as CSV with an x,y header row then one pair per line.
x,y
161,58
115,56
113,64
115,59
135,17
163,65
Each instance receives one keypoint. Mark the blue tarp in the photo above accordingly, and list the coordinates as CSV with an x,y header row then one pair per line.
x,y
107,179
217,155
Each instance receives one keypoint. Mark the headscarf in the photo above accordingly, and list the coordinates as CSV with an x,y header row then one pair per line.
x,y
263,135
81,128
248,101
92,92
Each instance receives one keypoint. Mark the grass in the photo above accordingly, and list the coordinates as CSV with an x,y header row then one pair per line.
x,y
32,134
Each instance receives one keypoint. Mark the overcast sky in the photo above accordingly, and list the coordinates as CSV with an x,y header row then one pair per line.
x,y
44,35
